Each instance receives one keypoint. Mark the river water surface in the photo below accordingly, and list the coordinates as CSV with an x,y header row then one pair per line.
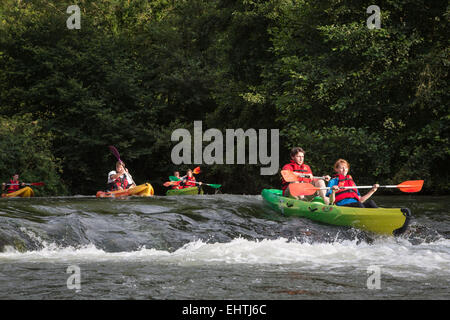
x,y
214,247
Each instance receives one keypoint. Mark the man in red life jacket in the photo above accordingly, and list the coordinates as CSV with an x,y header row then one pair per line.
x,y
120,179
177,184
13,185
303,171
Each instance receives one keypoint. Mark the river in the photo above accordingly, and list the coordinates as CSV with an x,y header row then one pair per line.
x,y
214,247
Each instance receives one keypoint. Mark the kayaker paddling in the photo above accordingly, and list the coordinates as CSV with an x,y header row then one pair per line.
x,y
176,184
189,180
120,179
13,185
304,174
348,197
186,185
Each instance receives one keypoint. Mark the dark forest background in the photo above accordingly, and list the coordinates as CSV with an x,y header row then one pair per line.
x,y
138,70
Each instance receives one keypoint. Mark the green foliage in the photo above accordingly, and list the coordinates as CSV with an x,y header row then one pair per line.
x,y
362,148
137,70
26,151
374,97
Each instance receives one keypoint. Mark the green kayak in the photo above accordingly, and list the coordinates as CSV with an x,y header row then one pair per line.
x,y
184,191
388,221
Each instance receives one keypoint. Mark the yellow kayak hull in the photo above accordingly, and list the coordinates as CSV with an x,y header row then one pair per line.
x,y
143,190
24,193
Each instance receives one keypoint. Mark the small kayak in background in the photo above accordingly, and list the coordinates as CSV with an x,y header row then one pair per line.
x,y
24,193
184,191
143,190
387,221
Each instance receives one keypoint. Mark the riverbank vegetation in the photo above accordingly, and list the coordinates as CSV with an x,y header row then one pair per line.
x,y
137,70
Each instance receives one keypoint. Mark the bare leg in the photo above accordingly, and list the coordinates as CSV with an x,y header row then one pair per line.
x,y
319,183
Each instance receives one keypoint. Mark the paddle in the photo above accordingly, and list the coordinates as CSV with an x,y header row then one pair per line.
x,y
169,183
306,189
116,153
212,185
289,176
27,184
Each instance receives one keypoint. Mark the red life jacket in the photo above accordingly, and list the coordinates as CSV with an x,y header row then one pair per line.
x,y
293,166
121,182
13,186
189,182
341,194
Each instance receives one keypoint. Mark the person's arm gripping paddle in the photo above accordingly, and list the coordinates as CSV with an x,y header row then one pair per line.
x,y
365,197
309,189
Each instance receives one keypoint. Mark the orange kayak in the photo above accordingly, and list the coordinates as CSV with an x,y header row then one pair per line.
x,y
143,190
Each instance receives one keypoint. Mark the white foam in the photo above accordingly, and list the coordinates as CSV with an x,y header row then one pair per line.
x,y
396,256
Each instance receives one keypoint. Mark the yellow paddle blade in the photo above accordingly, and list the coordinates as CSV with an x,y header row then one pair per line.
x,y
196,170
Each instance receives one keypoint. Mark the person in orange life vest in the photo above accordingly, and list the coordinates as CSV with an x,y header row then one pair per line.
x,y
303,171
189,181
177,184
348,197
120,179
13,185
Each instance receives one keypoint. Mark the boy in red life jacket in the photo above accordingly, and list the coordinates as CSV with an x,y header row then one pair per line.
x,y
189,180
120,179
13,185
348,197
177,184
303,171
